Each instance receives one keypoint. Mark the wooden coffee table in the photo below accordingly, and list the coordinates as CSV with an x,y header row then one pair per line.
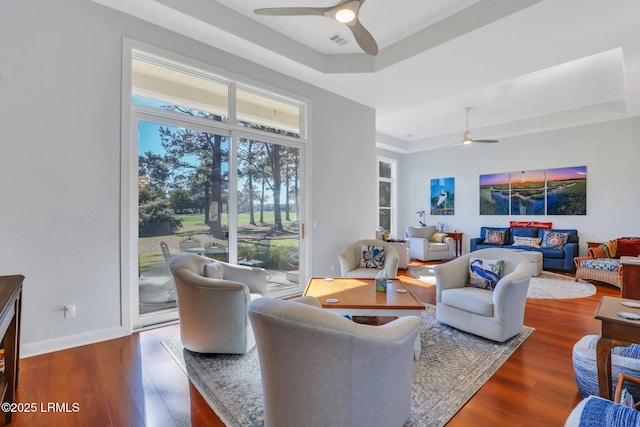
x,y
358,297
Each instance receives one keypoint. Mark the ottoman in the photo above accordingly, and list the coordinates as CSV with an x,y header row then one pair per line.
x,y
535,258
623,359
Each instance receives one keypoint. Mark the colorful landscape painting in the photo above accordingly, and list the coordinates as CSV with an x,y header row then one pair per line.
x,y
494,194
527,192
442,196
567,191
559,191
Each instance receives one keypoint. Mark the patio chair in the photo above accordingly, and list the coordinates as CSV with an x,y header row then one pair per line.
x,y
260,255
165,252
190,242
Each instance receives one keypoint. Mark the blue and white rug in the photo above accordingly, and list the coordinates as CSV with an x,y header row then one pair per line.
x,y
453,366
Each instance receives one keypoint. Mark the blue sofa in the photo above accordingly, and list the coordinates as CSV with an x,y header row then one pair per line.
x,y
552,258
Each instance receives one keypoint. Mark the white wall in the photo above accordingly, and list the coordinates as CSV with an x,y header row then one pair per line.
x,y
60,115
609,150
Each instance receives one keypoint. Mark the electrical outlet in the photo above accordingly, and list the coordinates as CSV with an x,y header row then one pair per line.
x,y
333,268
69,311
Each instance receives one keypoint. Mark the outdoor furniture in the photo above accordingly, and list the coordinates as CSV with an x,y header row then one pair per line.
x,y
189,243
496,314
321,369
352,262
260,256
216,251
213,297
165,252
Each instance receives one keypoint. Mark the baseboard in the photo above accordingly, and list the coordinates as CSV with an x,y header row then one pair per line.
x,y
57,344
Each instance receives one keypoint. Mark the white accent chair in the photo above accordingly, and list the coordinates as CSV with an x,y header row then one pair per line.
x,y
421,248
352,254
213,297
321,369
497,315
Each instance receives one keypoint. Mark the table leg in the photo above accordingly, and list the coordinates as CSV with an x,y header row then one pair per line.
x,y
603,359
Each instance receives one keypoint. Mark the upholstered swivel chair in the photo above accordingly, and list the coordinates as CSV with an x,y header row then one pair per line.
x,y
213,297
496,314
352,265
321,369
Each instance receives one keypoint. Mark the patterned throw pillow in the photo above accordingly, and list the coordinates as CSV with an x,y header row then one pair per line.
x,y
554,239
485,273
534,242
372,256
495,237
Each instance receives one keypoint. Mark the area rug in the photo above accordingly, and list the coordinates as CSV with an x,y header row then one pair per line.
x,y
547,285
453,366
557,286
425,274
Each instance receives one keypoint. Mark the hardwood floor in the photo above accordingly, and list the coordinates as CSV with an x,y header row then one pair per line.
x,y
133,381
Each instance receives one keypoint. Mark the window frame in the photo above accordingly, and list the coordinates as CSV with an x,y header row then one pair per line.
x,y
393,202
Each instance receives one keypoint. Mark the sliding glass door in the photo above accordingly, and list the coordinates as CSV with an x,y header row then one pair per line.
x,y
268,218
183,190
184,205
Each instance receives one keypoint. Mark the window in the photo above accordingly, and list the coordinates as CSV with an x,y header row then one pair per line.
x,y
258,109
387,194
160,83
219,168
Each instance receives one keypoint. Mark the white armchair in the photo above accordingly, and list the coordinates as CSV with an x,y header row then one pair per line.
x,y
497,315
213,297
320,369
350,259
423,249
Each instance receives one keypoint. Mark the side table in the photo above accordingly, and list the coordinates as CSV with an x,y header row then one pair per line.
x,y
457,238
630,277
616,332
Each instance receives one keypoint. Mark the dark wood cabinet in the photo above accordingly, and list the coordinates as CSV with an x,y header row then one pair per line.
x,y
10,304
630,277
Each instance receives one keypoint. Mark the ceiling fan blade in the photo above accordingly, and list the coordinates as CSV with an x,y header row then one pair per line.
x,y
487,141
363,37
292,11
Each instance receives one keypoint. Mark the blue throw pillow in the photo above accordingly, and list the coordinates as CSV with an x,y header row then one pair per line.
x,y
485,273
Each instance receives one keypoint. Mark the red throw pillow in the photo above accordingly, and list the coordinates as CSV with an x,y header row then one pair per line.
x,y
628,247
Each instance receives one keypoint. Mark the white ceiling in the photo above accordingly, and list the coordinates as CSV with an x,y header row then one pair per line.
x,y
522,65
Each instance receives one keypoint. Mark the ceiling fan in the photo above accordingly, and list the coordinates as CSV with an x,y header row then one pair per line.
x,y
468,138
346,12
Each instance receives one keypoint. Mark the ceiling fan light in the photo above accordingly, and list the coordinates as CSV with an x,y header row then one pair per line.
x,y
467,138
345,15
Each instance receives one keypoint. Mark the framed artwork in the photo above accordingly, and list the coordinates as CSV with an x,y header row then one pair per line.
x,y
559,191
527,192
494,194
567,191
442,196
